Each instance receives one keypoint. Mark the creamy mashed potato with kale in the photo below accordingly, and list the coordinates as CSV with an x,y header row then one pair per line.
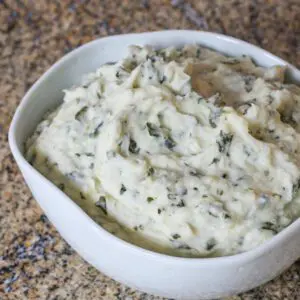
x,y
182,151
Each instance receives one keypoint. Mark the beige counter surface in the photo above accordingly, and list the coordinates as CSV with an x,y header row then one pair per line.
x,y
35,262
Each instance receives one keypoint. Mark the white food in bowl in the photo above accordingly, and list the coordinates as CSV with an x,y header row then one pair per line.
x,y
192,152
168,276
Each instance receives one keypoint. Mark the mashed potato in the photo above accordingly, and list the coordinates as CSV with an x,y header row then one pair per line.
x,y
182,151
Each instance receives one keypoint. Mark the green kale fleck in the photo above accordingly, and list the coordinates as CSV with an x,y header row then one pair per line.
x,y
212,214
33,158
163,79
133,147
169,142
96,131
296,187
269,226
227,216
89,154
244,108
153,129
140,227
61,186
150,171
151,58
215,160
123,189
172,196
210,244
184,191
176,236
180,203
101,203
150,199
196,173
220,192
230,61
183,246
247,150
110,154
224,142
200,99
80,114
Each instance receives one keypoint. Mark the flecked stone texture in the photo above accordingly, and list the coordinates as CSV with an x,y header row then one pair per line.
x,y
35,262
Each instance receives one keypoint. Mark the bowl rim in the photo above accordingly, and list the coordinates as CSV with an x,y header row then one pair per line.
x,y
249,255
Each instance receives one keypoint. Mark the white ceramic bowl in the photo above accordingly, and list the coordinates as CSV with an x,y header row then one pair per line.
x,y
174,277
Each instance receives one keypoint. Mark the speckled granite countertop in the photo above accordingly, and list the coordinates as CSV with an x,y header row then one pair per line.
x,y
35,263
